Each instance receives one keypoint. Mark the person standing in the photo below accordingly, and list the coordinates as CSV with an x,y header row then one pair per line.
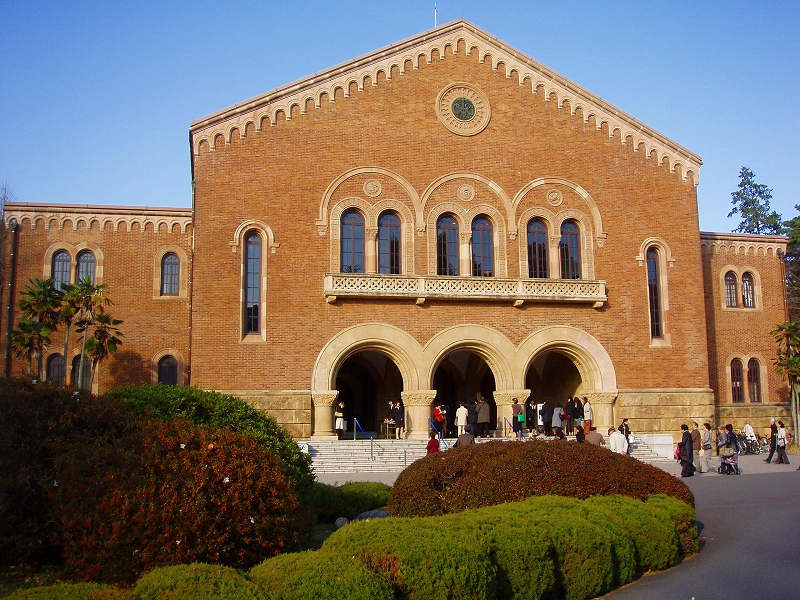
x,y
617,441
438,419
748,432
569,410
530,412
685,452
517,411
546,412
558,419
472,417
483,417
706,445
399,420
462,414
696,445
578,411
625,430
588,414
781,444
773,440
338,416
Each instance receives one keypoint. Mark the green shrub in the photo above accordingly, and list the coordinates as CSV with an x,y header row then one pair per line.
x,y
197,581
455,480
72,591
682,516
424,559
330,502
320,576
167,402
170,493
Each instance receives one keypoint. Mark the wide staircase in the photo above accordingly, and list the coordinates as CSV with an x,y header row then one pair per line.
x,y
643,452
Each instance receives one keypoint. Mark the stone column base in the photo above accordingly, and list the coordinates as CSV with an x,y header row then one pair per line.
x,y
418,410
505,401
322,414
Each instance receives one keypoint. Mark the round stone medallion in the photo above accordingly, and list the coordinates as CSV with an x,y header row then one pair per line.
x,y
372,188
463,109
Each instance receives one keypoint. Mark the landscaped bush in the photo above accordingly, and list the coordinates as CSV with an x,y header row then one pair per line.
x,y
424,559
197,582
72,591
320,576
329,502
497,472
682,516
171,493
166,402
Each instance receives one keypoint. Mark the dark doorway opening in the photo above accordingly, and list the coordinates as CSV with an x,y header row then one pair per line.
x,y
461,377
366,382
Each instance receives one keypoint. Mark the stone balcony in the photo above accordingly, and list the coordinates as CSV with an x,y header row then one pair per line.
x,y
492,289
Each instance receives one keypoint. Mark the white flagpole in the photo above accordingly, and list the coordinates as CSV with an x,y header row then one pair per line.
x,y
434,16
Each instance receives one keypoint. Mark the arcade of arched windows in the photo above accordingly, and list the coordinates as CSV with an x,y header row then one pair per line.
x,y
741,288
746,379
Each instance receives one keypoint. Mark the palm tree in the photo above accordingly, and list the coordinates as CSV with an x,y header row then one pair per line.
x,y
29,340
40,302
89,300
105,339
788,363
69,308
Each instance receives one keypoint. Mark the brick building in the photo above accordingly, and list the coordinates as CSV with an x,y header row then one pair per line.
x,y
437,219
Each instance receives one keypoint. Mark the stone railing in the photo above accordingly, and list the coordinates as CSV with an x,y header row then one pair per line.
x,y
421,288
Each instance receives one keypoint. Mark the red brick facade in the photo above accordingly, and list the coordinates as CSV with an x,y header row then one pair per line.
x,y
375,135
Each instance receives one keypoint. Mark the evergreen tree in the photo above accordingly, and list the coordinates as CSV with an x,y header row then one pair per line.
x,y
751,201
792,229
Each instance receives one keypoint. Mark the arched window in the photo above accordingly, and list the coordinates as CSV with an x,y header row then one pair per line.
x,y
168,370
352,242
389,244
737,389
537,249
754,379
56,369
447,246
170,274
654,294
482,247
85,267
85,381
748,294
731,297
570,251
252,283
62,263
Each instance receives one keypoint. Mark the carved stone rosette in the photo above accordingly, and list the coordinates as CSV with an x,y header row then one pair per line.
x,y
322,414
418,410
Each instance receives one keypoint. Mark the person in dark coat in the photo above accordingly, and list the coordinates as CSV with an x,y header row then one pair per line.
x,y
547,417
578,411
580,437
570,410
472,417
625,430
484,416
685,452
530,413
773,440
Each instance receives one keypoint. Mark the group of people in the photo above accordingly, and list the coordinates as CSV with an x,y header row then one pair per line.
x,y
553,419
777,442
695,447
473,418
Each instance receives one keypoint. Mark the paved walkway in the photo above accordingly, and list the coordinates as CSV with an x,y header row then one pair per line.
x,y
749,528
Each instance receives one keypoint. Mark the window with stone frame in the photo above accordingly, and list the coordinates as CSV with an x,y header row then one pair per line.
x,y
389,256
731,294
85,268
654,294
482,247
538,266
252,283
170,274
748,291
60,271
447,257
754,380
569,246
352,242
737,383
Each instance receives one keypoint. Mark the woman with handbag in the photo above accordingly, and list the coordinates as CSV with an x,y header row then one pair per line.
x,y
782,458
730,451
705,451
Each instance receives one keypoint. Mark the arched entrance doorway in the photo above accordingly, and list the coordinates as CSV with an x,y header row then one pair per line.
x,y
553,376
461,377
366,382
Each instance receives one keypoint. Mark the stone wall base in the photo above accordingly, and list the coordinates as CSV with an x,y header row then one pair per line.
x,y
290,408
664,410
757,413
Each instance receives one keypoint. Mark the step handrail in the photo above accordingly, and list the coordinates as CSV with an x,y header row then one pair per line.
x,y
441,437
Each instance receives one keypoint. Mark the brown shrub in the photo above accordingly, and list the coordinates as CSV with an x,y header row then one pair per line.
x,y
496,472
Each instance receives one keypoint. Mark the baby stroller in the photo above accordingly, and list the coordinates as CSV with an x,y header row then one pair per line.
x,y
729,465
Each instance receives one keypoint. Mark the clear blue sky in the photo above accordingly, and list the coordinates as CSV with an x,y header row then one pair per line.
x,y
96,98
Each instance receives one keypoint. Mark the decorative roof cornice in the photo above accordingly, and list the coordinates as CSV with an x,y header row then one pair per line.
x,y
743,243
90,215
524,69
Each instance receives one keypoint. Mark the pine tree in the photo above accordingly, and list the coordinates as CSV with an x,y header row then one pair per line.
x,y
751,201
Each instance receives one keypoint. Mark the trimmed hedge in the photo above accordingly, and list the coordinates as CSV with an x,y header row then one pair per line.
x,y
424,559
167,402
452,481
320,576
330,502
171,493
683,518
197,581
72,591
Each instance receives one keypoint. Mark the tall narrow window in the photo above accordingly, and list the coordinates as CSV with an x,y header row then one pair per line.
x,y
447,246
570,251
252,282
62,263
85,267
754,380
748,294
731,297
482,248
352,242
654,294
170,274
56,369
84,382
168,370
537,249
736,380
389,244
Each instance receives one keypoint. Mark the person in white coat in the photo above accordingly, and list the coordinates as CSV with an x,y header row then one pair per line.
x,y
617,441
461,418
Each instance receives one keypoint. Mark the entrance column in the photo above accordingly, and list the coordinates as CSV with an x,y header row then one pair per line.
x,y
418,410
322,419
505,400
603,408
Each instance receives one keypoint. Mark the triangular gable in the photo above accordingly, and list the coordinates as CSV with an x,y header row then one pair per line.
x,y
525,70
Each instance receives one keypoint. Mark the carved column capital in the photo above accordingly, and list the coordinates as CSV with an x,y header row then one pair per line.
x,y
418,397
371,233
324,398
466,237
502,397
602,397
